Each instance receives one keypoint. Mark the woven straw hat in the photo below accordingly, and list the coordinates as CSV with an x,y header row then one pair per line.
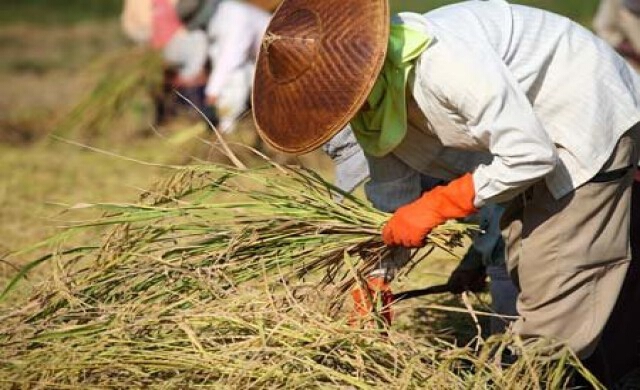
x,y
317,65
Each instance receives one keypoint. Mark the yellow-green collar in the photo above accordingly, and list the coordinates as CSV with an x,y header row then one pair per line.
x,y
383,124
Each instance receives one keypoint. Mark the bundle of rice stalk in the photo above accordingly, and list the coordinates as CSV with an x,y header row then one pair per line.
x,y
212,224
124,76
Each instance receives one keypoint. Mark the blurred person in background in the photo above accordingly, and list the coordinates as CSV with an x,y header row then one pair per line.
x,y
235,32
157,23
485,257
190,33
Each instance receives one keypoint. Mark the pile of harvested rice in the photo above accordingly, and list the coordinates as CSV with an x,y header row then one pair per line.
x,y
213,280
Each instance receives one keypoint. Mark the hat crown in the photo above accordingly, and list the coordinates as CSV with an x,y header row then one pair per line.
x,y
316,67
292,47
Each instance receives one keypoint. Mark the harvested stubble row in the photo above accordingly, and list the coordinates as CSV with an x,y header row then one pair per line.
x,y
201,284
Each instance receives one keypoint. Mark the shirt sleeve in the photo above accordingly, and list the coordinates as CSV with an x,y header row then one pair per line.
x,y
472,83
350,164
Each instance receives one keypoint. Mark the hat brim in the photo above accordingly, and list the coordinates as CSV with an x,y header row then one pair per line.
x,y
316,67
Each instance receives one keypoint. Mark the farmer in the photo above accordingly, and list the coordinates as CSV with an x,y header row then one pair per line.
x,y
235,32
157,23
511,104
485,256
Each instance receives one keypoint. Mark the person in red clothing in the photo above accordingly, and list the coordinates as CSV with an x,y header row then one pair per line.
x,y
157,23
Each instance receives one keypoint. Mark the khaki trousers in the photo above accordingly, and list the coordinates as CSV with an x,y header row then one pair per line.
x,y
569,256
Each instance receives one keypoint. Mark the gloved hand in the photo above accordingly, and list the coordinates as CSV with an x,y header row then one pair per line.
x,y
410,224
375,297
462,280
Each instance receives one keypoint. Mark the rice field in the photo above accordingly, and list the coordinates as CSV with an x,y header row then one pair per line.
x,y
153,274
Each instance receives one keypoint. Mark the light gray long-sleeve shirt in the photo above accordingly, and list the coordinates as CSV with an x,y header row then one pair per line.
x,y
533,95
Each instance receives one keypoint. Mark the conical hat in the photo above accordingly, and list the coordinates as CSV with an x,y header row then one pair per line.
x,y
318,63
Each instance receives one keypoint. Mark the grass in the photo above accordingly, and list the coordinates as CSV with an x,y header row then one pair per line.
x,y
57,12
579,10
39,49
565,7
254,340
36,179
44,70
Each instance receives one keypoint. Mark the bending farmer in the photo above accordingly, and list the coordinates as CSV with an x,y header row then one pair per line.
x,y
511,104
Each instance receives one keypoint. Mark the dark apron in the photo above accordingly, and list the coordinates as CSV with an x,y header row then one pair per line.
x,y
617,359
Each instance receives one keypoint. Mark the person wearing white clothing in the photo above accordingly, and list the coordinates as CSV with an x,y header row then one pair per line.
x,y
512,105
235,32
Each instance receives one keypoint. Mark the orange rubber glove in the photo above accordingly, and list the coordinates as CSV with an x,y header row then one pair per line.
x,y
410,224
376,297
